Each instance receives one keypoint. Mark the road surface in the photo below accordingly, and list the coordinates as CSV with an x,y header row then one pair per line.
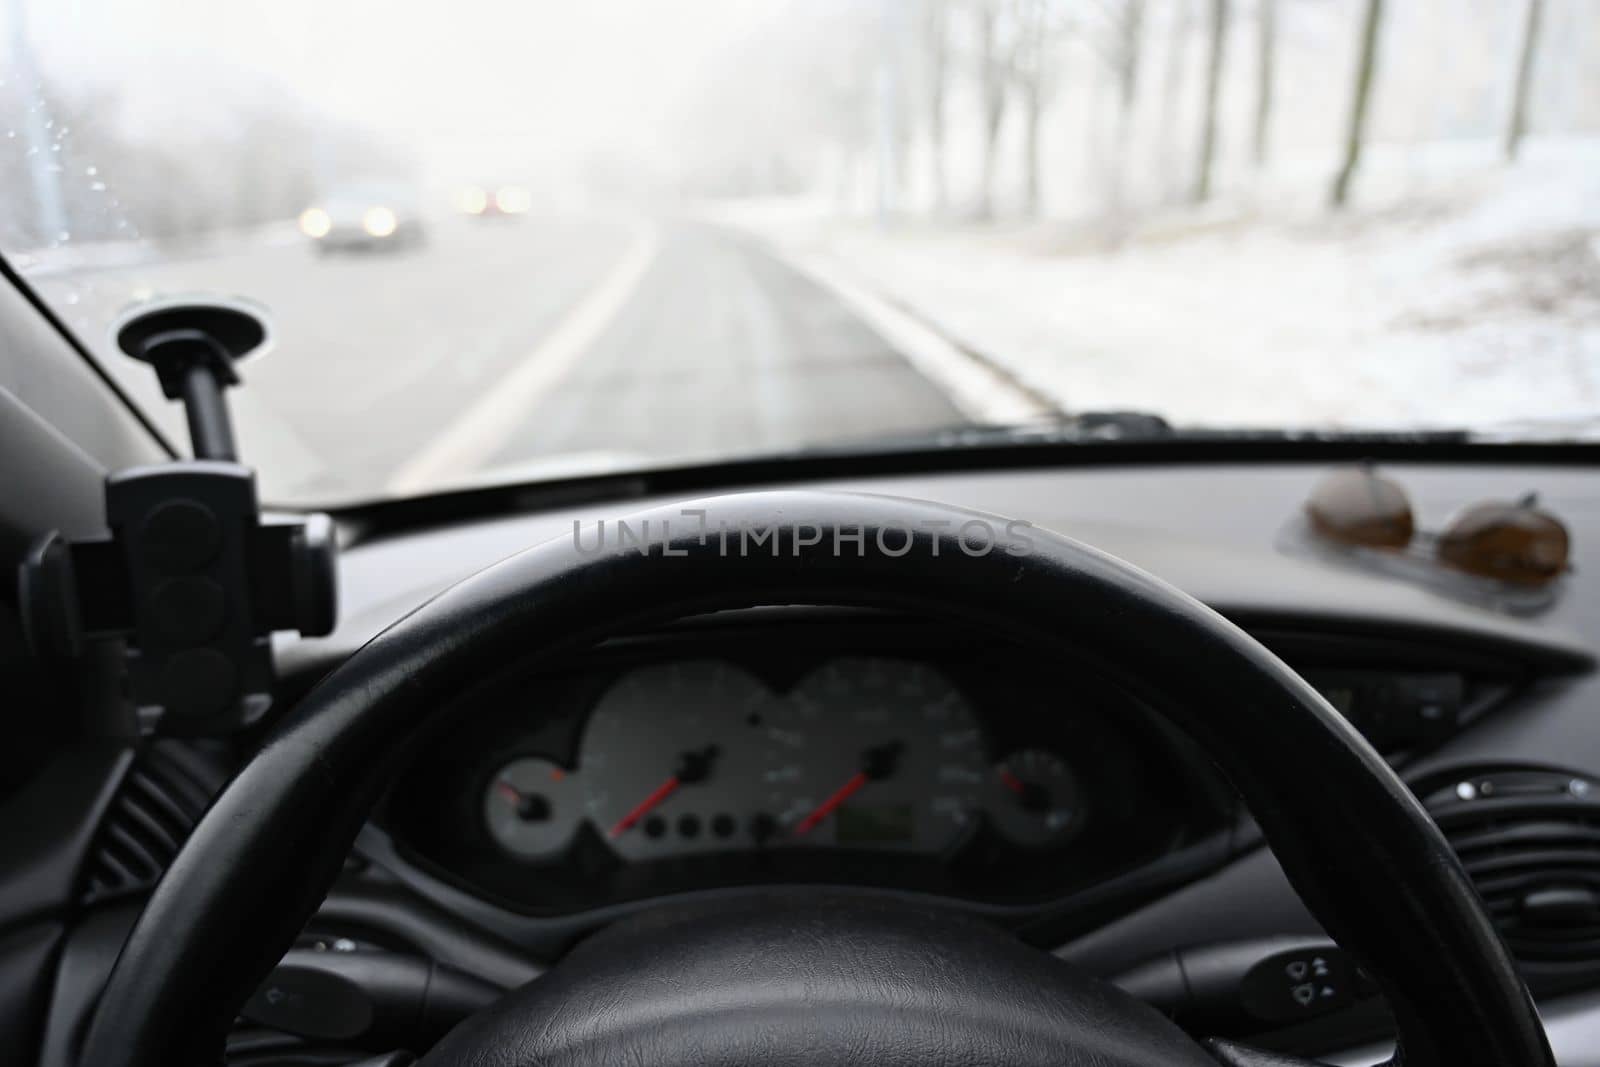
x,y
525,346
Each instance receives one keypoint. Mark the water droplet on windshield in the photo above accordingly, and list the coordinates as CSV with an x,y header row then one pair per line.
x,y
98,187
64,235
91,171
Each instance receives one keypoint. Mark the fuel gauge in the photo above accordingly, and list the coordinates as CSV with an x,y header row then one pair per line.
x,y
1034,799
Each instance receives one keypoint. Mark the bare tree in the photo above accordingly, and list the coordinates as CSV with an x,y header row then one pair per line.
x,y
1266,49
1355,133
1172,87
1032,118
1517,125
1129,51
1117,41
1208,124
1130,38
936,41
994,80
1036,70
898,36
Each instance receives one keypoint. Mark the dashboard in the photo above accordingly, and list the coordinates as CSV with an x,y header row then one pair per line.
x,y
790,747
890,753
800,746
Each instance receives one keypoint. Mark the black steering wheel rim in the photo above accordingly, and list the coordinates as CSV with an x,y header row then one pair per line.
x,y
1354,842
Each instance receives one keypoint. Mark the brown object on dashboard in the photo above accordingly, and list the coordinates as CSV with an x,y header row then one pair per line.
x,y
1517,542
1513,542
1358,506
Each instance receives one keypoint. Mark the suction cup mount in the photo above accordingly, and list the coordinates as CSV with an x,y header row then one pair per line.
x,y
191,578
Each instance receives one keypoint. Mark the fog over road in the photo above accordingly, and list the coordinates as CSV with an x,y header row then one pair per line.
x,y
507,343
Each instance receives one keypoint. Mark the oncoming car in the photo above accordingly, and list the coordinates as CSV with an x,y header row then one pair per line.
x,y
364,217
494,200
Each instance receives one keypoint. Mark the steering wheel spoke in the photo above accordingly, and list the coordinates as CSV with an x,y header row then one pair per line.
x,y
386,1059
1232,1054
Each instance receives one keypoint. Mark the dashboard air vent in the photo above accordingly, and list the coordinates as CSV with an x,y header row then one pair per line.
x,y
1530,840
156,807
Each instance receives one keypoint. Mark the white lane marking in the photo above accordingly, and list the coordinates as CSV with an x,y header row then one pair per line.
x,y
480,430
973,386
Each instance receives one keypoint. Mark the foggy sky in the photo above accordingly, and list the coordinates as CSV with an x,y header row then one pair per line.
x,y
464,83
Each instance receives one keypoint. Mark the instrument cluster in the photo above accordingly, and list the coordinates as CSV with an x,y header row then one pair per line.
x,y
967,772
698,756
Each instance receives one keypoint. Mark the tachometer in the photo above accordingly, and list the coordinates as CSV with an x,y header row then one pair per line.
x,y
875,753
671,759
532,808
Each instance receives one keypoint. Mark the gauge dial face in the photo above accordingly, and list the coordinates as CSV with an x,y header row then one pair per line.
x,y
532,808
873,753
671,759
1034,799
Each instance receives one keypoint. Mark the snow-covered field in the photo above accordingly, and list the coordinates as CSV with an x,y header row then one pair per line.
x,y
1450,295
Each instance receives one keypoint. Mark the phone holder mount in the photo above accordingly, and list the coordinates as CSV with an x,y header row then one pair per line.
x,y
191,576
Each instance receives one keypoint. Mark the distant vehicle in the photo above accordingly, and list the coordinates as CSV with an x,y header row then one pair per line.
x,y
495,201
361,217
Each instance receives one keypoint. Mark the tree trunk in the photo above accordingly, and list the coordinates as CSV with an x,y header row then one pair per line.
x,y
994,110
1033,100
1129,44
1030,62
1093,145
1172,93
1130,39
1208,126
1517,127
938,72
1267,42
993,76
1355,134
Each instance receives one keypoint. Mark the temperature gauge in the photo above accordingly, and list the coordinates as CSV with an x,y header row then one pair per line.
x,y
1034,799
532,808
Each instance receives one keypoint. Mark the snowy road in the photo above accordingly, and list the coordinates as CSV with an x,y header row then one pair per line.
x,y
514,343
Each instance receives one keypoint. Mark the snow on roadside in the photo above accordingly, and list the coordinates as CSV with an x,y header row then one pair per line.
x,y
1476,304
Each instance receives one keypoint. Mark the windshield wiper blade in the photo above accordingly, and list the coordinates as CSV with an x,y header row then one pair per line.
x,y
1079,426
1125,426
1110,425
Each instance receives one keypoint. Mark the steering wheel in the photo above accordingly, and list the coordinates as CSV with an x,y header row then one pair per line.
x,y
823,979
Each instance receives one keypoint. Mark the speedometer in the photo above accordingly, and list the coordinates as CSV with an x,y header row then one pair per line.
x,y
671,759
875,753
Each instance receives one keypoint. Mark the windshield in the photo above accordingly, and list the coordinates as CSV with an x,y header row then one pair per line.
x,y
526,240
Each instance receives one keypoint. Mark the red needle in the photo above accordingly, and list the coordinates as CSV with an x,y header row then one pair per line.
x,y
662,792
1012,782
845,792
507,790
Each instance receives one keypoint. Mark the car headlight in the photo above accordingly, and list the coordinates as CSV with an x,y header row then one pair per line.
x,y
314,222
512,199
474,201
379,221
